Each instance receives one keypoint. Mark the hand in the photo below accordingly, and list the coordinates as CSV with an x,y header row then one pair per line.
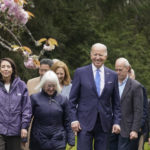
x,y
75,127
116,129
149,141
24,133
70,147
133,135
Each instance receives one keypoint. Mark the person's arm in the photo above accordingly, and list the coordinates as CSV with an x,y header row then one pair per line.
x,y
74,97
137,111
69,131
73,102
145,107
26,114
26,110
116,108
116,103
148,121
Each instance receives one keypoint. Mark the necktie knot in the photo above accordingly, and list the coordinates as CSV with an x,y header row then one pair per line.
x,y
97,70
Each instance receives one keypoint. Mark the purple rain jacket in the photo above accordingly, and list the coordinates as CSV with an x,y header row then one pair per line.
x,y
15,108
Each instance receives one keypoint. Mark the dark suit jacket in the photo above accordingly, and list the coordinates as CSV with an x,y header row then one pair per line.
x,y
131,107
85,103
51,125
144,125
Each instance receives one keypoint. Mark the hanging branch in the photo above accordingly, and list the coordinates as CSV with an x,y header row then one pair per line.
x,y
3,40
11,33
30,34
5,46
41,53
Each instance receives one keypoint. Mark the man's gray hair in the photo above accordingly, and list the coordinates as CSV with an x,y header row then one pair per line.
x,y
49,76
125,61
100,45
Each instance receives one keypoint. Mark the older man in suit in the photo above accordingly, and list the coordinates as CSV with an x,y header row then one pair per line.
x,y
131,95
138,144
94,102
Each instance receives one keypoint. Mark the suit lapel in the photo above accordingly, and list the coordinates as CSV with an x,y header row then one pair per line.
x,y
126,89
106,78
91,78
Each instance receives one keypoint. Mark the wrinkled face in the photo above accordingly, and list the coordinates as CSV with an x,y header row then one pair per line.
x,y
6,69
121,70
60,74
98,56
49,88
43,68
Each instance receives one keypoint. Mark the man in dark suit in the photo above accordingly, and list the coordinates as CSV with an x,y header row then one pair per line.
x,y
131,96
94,102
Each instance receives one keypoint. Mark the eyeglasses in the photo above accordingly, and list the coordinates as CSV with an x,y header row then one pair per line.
x,y
50,86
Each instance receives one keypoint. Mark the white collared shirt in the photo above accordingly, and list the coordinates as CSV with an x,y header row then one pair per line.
x,y
102,78
122,86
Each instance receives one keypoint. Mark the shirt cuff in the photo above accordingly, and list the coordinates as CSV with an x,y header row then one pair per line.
x,y
74,121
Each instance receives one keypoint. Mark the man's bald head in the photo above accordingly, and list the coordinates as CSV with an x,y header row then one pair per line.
x,y
123,61
122,68
99,46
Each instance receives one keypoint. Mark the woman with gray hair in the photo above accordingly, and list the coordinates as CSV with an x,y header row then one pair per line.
x,y
51,126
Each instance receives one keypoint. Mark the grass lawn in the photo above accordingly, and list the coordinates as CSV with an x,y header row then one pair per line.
x,y
146,146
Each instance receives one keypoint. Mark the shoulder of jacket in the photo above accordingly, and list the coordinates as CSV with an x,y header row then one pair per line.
x,y
38,95
33,80
137,83
22,83
83,68
62,97
19,82
110,70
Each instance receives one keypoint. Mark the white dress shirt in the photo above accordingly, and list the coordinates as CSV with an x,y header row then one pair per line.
x,y
102,78
122,86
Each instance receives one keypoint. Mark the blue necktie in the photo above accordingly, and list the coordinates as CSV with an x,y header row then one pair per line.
x,y
97,81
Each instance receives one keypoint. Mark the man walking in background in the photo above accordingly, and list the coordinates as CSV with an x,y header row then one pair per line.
x,y
94,102
131,96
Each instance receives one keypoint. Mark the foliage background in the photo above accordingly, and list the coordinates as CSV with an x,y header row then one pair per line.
x,y
122,25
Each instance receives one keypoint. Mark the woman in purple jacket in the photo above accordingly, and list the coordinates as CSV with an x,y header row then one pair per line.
x,y
15,107
51,128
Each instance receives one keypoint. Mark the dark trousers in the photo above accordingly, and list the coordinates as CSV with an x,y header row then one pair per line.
x,y
85,138
10,142
124,143
40,149
117,142
113,141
